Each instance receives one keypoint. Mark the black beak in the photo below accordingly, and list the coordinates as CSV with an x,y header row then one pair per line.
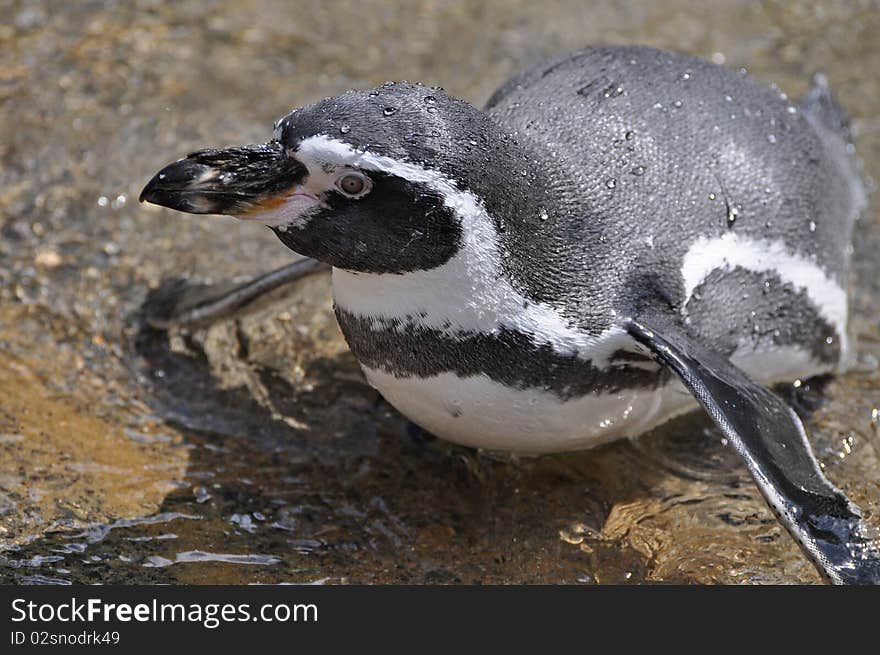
x,y
230,181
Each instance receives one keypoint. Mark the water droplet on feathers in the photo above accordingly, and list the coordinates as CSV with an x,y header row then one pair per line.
x,y
732,215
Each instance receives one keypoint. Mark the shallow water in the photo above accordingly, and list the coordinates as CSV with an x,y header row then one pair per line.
x,y
254,451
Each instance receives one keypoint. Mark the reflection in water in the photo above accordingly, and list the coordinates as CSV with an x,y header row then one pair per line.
x,y
132,456
201,556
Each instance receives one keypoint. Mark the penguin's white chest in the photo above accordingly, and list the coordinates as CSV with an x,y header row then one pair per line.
x,y
465,297
479,412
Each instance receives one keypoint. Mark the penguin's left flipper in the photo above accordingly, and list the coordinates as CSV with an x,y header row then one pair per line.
x,y
196,307
771,439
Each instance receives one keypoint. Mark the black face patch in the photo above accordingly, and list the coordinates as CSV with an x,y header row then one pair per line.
x,y
508,356
398,227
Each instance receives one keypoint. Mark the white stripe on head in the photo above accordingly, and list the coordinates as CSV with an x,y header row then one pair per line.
x,y
469,293
762,256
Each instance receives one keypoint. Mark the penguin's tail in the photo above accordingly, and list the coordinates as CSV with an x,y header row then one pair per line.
x,y
820,104
821,108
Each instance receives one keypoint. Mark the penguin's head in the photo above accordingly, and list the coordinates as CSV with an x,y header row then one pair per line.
x,y
365,181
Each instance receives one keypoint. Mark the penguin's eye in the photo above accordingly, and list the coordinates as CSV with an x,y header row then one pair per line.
x,y
353,184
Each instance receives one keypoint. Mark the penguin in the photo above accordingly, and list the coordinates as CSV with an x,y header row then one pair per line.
x,y
621,235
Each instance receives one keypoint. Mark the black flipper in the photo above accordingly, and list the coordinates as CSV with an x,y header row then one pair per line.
x,y
771,439
201,308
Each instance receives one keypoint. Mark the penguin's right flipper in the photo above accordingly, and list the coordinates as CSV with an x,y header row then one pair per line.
x,y
771,439
194,309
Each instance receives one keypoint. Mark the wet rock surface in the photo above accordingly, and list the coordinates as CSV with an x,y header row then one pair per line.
x,y
253,451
